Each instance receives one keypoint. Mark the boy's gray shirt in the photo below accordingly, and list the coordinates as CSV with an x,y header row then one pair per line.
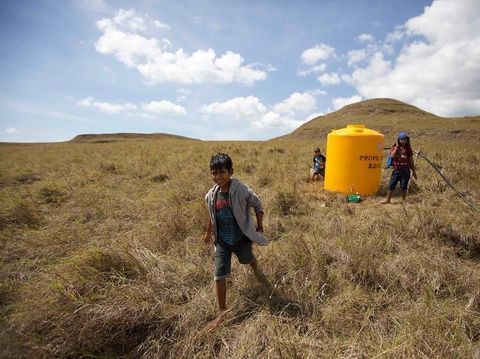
x,y
241,199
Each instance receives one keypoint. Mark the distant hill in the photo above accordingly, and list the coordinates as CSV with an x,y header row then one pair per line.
x,y
388,116
115,137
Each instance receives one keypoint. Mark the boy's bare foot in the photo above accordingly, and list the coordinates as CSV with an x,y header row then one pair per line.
x,y
261,277
214,324
386,202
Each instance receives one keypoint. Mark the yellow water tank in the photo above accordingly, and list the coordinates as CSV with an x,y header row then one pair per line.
x,y
354,160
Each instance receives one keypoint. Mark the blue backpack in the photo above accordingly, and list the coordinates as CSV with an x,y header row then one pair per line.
x,y
389,162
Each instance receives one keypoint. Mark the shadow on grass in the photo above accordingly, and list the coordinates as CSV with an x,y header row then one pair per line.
x,y
266,296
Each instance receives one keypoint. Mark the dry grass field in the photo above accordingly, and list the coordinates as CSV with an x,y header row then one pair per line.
x,y
102,253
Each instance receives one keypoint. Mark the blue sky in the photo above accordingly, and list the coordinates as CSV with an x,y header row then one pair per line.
x,y
227,69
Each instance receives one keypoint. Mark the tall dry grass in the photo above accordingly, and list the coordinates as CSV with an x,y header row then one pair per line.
x,y
102,257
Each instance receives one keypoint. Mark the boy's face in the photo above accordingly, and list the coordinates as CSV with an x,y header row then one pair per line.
x,y
402,141
221,177
317,153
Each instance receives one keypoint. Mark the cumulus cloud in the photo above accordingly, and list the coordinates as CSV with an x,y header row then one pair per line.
x,y
397,35
355,56
329,79
106,106
275,120
161,25
11,130
87,101
366,38
183,93
312,116
113,107
150,109
124,19
286,115
317,53
149,56
164,108
313,70
340,102
296,102
318,92
438,66
237,108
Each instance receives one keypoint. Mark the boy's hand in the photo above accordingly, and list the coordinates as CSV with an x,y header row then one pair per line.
x,y
208,238
414,175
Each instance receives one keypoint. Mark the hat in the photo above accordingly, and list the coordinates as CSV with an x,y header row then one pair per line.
x,y
402,135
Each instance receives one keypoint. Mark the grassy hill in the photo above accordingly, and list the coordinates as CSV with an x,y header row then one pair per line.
x,y
113,137
389,117
101,253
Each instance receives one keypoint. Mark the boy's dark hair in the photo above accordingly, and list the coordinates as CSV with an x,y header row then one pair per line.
x,y
221,161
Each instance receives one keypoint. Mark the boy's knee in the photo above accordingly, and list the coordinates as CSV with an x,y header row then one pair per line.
x,y
219,278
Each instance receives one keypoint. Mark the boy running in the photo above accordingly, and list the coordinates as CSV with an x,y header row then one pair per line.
x,y
318,170
228,203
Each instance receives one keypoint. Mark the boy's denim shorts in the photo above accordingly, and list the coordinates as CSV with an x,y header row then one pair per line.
x,y
320,171
402,176
223,258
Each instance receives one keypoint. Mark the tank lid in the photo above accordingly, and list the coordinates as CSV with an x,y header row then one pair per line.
x,y
355,130
356,126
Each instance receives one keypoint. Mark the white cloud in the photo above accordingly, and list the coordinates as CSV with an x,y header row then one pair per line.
x,y
286,115
312,116
397,35
355,56
314,70
276,120
318,92
296,102
329,79
150,58
106,106
150,109
237,108
114,107
447,21
166,44
11,130
87,101
164,107
124,19
184,91
366,38
319,52
161,25
340,102
438,67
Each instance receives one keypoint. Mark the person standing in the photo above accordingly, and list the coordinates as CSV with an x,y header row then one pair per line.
x,y
403,166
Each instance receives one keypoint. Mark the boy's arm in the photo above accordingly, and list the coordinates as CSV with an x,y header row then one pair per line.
x,y
253,200
412,166
259,221
393,149
208,235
